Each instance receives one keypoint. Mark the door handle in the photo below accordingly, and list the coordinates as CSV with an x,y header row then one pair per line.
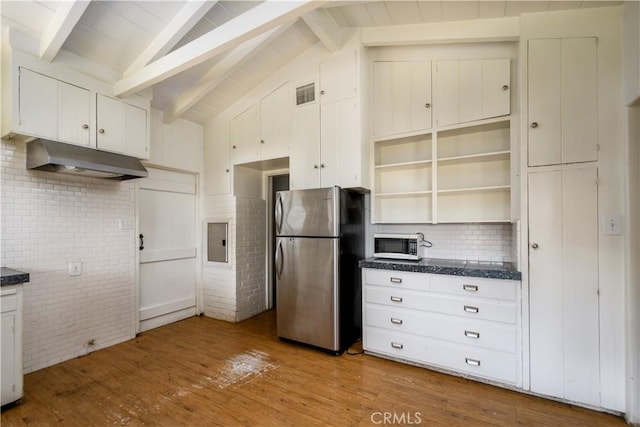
x,y
141,236
279,259
278,213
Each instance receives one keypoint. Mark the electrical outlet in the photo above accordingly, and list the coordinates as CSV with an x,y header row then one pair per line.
x,y
611,224
75,268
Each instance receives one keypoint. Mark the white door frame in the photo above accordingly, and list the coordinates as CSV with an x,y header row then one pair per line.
x,y
198,231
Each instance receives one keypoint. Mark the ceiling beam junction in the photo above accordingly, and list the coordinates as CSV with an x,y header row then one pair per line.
x,y
325,28
64,20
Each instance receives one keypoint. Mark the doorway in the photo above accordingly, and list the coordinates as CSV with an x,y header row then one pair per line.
x,y
276,183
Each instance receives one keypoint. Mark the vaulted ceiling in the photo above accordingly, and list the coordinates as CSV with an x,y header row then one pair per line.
x,y
198,57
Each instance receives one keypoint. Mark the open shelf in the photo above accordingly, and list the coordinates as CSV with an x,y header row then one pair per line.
x,y
409,207
489,173
405,164
403,194
493,205
403,150
406,178
475,189
482,157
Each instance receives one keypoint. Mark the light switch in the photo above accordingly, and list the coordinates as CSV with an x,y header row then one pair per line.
x,y
611,224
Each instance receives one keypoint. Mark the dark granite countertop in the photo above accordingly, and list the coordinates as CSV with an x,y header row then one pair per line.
x,y
13,277
490,270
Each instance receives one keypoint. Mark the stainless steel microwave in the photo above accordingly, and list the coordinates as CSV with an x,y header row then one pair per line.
x,y
397,246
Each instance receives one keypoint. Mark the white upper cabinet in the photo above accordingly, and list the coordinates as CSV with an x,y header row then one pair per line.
x,y
275,123
304,167
402,98
53,109
338,77
562,101
121,127
263,132
470,90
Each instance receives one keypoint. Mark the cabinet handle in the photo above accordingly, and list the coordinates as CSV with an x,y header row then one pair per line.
x,y
472,362
101,130
396,299
427,105
471,334
141,237
505,87
262,141
397,345
534,124
227,170
471,309
315,166
85,126
321,165
234,147
396,321
321,92
535,246
470,288
396,280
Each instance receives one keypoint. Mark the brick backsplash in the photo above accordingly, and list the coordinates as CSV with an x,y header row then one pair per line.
x,y
473,242
49,220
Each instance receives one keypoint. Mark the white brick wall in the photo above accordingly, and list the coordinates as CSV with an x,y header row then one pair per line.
x,y
48,220
250,257
472,242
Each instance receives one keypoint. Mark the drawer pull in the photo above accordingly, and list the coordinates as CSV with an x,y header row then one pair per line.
x,y
396,280
471,309
396,321
472,362
396,299
472,334
397,345
470,288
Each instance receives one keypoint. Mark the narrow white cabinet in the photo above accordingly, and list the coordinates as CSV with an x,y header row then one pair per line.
x,y
217,159
304,167
563,284
53,109
470,90
275,123
245,136
402,98
121,127
11,326
562,101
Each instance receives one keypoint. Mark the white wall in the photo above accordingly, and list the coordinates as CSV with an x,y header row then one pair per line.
x,y
603,23
48,220
631,51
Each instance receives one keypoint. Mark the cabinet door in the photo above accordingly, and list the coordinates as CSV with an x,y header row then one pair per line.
x,y
329,133
110,123
448,92
563,277
8,374
245,136
402,97
346,146
496,88
275,123
74,107
304,164
562,117
338,77
38,104
134,132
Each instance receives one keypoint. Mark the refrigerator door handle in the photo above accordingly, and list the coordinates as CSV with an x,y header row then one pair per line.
x,y
279,260
278,213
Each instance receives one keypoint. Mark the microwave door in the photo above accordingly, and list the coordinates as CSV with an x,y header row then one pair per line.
x,y
392,246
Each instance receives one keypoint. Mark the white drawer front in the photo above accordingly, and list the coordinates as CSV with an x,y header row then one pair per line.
x,y
8,301
473,360
397,279
475,287
479,333
484,363
474,308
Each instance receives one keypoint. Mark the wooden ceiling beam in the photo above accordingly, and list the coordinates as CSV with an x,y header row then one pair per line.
x,y
262,18
220,72
325,28
175,30
66,17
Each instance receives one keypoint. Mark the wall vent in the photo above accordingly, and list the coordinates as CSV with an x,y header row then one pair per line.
x,y
305,94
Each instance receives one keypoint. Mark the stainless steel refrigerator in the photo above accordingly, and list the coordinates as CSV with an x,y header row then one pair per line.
x,y
319,241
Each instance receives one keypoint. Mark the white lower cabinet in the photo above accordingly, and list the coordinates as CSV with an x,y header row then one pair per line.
x,y
467,325
11,326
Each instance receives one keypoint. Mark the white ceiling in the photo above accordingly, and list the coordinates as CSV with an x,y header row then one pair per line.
x,y
113,34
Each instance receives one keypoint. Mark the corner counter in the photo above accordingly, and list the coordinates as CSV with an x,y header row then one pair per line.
x,y
450,267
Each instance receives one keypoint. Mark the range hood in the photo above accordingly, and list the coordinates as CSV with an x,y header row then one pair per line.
x,y
55,156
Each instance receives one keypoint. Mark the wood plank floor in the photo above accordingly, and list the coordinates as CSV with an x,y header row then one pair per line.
x,y
204,372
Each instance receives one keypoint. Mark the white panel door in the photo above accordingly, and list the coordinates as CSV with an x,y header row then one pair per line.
x,y
447,103
496,87
470,91
38,104
74,110
338,78
167,248
330,122
347,148
109,121
563,276
245,136
8,376
134,131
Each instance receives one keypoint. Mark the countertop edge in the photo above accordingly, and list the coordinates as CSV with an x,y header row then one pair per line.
x,y
13,277
445,270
